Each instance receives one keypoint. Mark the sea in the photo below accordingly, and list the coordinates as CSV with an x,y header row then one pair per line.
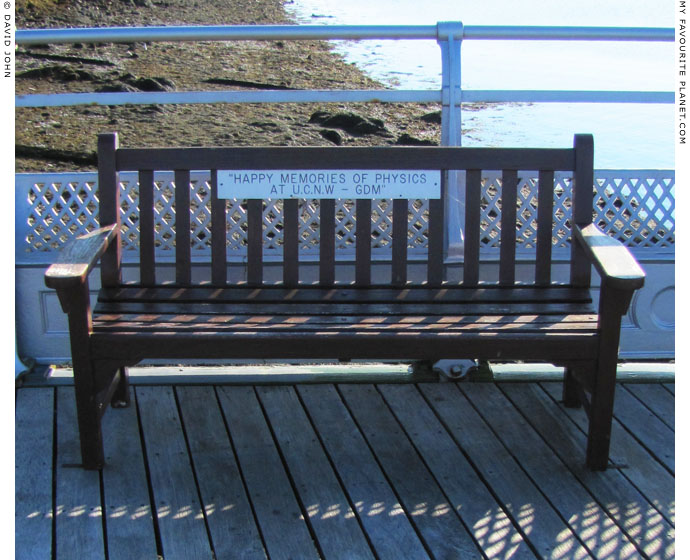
x,y
627,136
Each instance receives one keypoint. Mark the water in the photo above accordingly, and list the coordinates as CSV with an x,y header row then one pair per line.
x,y
627,136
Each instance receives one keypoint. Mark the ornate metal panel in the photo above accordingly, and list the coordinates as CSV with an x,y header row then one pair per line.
x,y
636,207
526,234
55,210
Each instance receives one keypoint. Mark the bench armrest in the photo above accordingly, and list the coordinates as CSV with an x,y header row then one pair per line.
x,y
78,257
613,261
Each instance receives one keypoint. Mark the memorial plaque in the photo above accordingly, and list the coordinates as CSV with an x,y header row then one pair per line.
x,y
329,183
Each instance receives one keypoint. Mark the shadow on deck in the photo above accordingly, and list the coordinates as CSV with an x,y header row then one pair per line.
x,y
428,470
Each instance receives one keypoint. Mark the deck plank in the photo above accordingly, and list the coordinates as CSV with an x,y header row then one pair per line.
x,y
654,536
486,519
178,509
78,507
657,399
33,485
671,387
389,530
129,514
401,457
333,520
594,527
538,520
656,436
436,520
281,520
228,512
648,475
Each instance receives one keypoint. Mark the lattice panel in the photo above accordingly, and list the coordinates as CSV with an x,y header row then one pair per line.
x,y
200,209
636,207
235,225
273,225
382,224
57,211
562,210
129,215
344,224
236,238
526,236
490,221
526,217
164,215
637,210
418,224
309,225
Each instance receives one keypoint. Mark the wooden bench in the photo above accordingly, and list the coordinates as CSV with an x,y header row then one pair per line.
x,y
397,319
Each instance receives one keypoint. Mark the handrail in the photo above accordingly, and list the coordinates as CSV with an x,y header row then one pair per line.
x,y
451,95
449,35
565,33
336,32
228,96
340,96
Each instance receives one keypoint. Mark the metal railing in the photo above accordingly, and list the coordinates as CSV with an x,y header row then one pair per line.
x,y
449,36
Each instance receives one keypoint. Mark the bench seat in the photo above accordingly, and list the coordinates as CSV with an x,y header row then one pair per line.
x,y
348,323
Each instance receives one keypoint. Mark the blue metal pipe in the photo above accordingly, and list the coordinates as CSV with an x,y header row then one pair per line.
x,y
333,32
501,32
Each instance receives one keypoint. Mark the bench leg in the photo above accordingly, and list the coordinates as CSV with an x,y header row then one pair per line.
x,y
600,419
88,418
121,397
76,302
612,305
571,398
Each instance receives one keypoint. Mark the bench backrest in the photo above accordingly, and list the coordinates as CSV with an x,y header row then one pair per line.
x,y
145,161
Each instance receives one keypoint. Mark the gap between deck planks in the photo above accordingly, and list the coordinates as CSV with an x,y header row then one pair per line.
x,y
388,471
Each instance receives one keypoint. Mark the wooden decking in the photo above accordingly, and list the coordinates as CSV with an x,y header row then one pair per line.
x,y
399,471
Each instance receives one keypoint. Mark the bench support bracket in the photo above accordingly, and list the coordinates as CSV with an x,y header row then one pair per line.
x,y
454,370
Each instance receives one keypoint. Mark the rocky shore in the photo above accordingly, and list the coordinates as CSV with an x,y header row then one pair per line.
x,y
64,138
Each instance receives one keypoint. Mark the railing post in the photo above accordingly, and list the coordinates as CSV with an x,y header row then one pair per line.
x,y
449,38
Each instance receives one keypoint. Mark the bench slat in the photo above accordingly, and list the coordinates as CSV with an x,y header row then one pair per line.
x,y
290,242
327,242
544,227
158,326
473,193
508,222
315,294
219,275
109,206
565,321
413,345
341,308
436,234
400,225
363,242
183,256
255,266
583,186
286,157
146,228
